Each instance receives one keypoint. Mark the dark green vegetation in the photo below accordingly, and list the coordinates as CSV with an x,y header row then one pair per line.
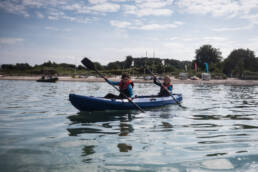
x,y
240,63
45,68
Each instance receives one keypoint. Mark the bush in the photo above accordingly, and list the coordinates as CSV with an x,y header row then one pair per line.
x,y
218,76
247,75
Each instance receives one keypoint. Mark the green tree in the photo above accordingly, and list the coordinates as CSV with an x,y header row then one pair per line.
x,y
64,65
17,66
23,66
80,67
170,69
256,65
49,64
114,65
98,66
8,67
207,54
240,60
128,62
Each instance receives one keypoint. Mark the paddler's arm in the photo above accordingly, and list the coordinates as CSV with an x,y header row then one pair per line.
x,y
155,81
130,88
111,82
114,82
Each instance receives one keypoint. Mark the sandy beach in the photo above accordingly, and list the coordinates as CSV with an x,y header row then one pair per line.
x,y
229,81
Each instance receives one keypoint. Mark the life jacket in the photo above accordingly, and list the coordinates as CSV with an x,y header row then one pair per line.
x,y
124,87
164,92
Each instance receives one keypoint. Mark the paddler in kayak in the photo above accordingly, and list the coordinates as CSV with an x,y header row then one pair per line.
x,y
125,86
167,85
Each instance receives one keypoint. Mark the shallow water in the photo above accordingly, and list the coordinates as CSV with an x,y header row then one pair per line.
x,y
42,131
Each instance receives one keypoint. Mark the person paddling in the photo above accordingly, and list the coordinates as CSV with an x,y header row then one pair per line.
x,y
167,85
125,86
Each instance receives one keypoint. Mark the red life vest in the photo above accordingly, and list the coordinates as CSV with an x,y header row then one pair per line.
x,y
123,86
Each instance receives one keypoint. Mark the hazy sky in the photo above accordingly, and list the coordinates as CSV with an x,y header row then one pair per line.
x,y
35,31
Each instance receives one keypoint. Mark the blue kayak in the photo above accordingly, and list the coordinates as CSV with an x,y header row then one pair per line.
x,y
89,103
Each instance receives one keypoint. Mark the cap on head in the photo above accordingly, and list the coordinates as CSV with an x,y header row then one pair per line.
x,y
125,75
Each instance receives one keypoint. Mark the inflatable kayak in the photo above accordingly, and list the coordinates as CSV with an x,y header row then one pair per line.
x,y
87,103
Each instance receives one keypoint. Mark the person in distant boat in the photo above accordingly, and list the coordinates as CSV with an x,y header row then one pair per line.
x,y
125,86
43,77
168,87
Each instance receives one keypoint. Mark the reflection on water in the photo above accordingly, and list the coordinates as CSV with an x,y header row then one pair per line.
x,y
125,129
41,130
101,116
86,118
124,147
87,151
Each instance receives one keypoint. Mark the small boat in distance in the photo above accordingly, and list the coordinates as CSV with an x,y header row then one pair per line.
x,y
87,103
48,79
48,76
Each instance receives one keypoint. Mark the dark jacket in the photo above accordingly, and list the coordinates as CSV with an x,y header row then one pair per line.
x,y
163,92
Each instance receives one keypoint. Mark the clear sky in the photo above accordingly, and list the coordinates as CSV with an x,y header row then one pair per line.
x,y
35,31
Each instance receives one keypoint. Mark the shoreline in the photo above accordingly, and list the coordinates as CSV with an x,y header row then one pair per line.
x,y
229,81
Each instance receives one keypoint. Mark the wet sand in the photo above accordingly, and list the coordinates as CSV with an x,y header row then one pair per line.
x,y
229,81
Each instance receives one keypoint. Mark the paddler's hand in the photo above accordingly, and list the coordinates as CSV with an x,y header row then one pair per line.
x,y
130,99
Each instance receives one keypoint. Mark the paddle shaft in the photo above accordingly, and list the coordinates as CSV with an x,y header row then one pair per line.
x,y
100,74
162,85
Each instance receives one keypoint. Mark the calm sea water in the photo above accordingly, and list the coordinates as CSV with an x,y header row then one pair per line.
x,y
41,130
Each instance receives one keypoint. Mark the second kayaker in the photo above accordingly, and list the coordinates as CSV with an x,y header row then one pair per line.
x,y
125,86
168,87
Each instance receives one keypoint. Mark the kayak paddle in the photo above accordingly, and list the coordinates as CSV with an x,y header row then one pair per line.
x,y
178,103
90,65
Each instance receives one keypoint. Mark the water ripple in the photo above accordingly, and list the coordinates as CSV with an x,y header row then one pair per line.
x,y
41,130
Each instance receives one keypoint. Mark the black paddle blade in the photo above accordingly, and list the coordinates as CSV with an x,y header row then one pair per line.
x,y
88,63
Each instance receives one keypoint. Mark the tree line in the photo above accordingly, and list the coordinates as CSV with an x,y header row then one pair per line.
x,y
239,63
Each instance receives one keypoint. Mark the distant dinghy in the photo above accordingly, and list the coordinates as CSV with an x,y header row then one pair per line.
x,y
47,80
48,76
87,103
